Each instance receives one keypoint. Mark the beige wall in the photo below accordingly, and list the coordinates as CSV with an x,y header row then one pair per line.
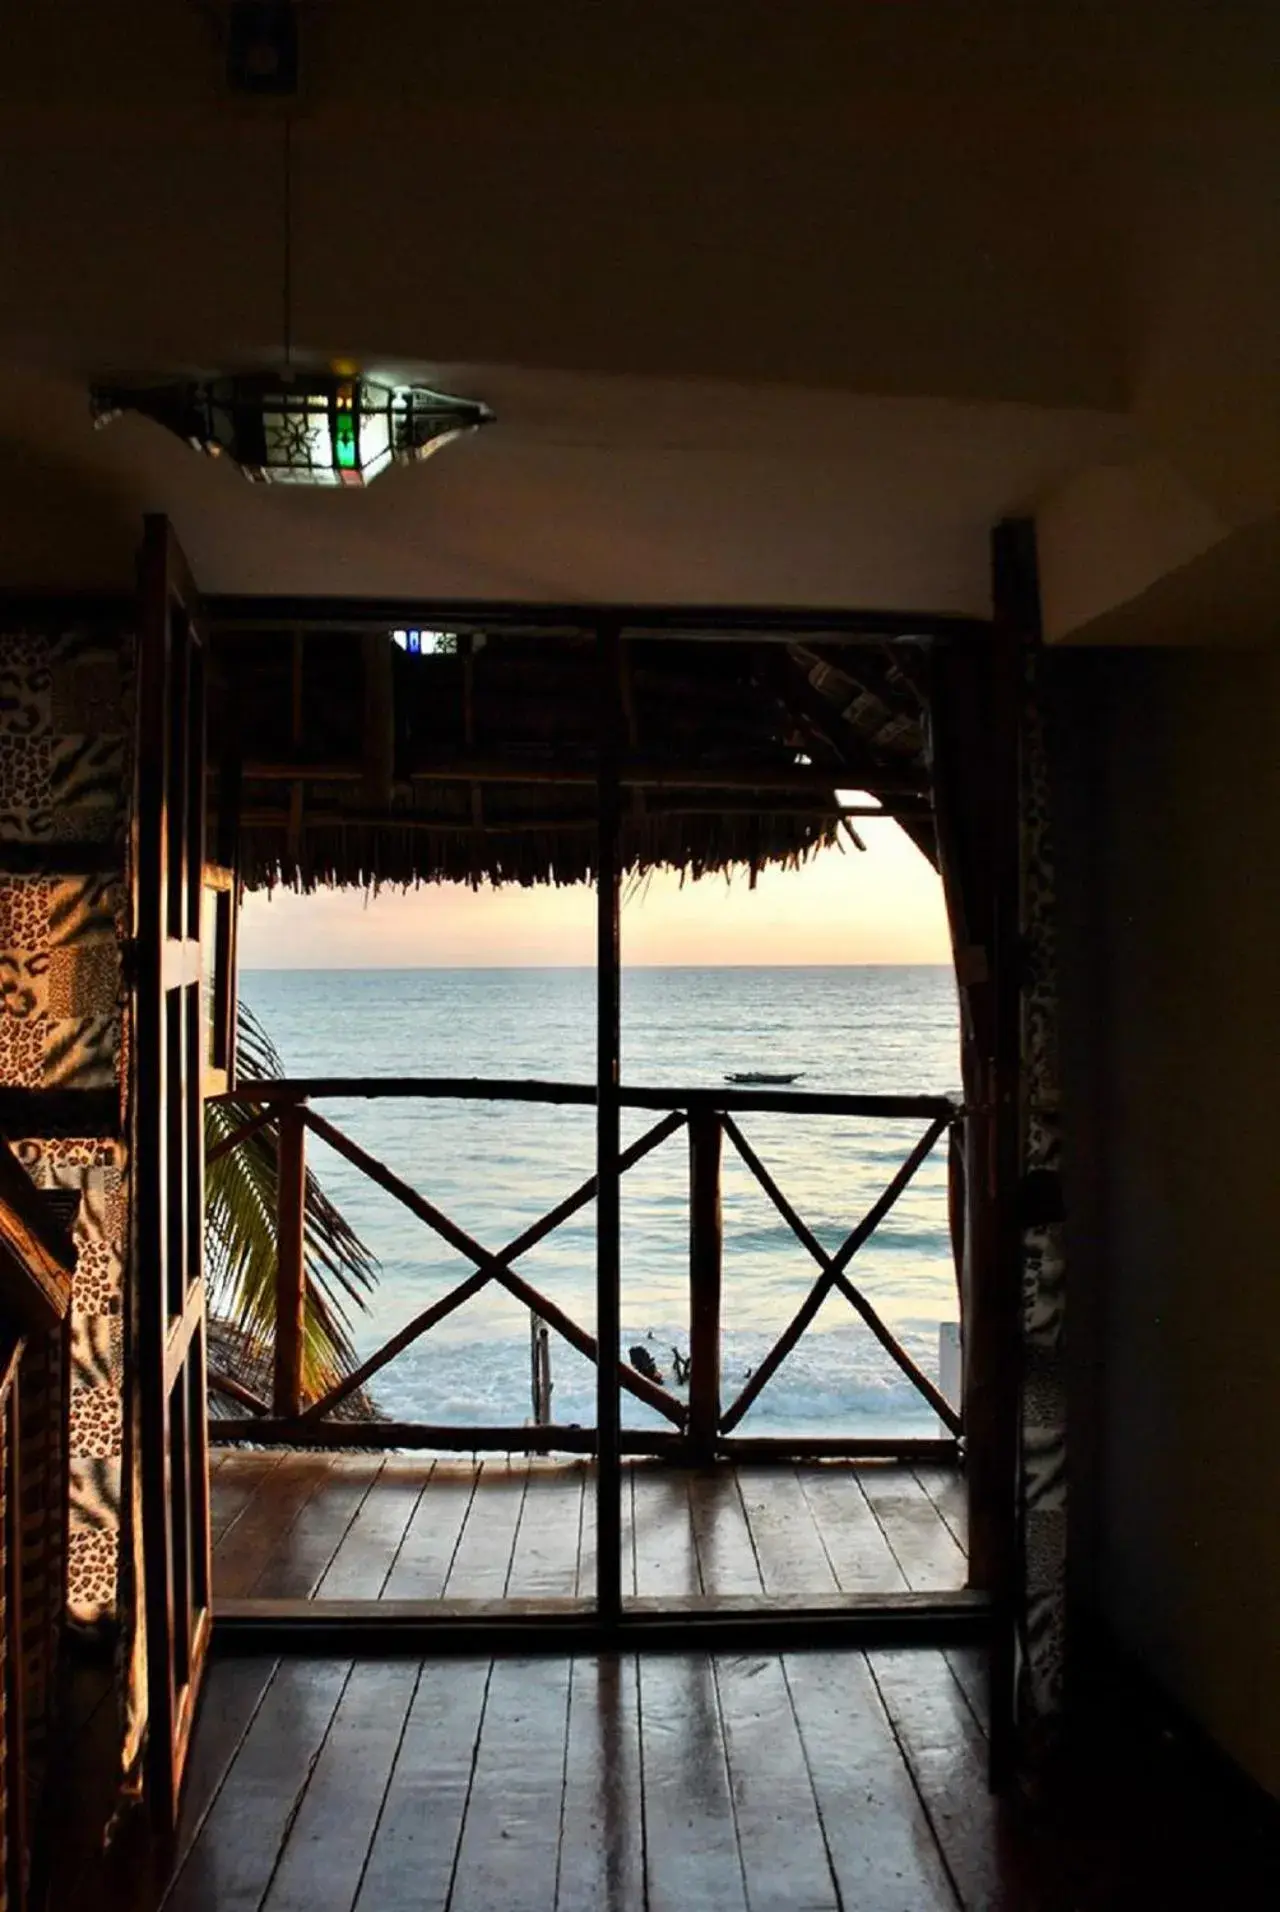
x,y
1169,811
775,303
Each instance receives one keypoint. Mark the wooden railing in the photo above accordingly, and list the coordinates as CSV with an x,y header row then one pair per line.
x,y
698,1430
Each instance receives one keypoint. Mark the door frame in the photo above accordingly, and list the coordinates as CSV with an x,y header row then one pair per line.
x,y
167,1146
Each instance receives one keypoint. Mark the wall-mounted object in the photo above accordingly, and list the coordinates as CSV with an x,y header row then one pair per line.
x,y
324,429
262,49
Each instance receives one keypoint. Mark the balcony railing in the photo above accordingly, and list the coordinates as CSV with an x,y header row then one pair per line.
x,y
698,1430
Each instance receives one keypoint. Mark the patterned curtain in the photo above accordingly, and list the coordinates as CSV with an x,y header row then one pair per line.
x,y
992,805
1042,1456
66,731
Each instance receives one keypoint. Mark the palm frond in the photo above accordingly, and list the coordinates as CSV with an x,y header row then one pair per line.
x,y
240,1211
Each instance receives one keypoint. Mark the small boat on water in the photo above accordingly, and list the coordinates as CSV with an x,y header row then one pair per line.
x,y
758,1078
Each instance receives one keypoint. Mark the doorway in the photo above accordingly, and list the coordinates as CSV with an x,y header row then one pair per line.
x,y
635,1540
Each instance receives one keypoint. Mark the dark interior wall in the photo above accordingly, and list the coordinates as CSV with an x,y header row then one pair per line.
x,y
1168,802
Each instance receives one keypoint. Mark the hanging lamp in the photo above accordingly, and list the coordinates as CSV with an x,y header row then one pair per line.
x,y
303,428
333,428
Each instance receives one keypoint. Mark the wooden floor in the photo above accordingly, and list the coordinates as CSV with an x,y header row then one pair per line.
x,y
820,1781
344,1526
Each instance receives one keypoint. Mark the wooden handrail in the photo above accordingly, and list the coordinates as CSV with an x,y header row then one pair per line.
x,y
704,1428
925,1108
435,1218
474,1283
832,1275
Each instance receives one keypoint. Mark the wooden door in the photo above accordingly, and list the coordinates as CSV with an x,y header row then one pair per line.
x,y
168,1144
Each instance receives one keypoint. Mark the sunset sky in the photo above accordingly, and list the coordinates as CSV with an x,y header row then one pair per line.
x,y
881,907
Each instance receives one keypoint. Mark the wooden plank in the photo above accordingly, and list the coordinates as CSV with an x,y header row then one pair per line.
x,y
508,1852
481,1565
861,1558
411,1862
369,1548
879,1839
836,1447
727,1562
947,1756
232,1485
544,1561
922,1543
329,1839
947,1489
232,1859
426,1553
234,1691
971,1668
787,1542
586,1585
666,1559
780,1838
602,1822
691,1841
265,1524
295,1568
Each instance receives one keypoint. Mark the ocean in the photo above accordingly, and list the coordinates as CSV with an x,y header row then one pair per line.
x,y
496,1167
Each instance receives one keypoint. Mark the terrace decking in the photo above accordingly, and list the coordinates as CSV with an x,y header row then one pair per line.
x,y
293,1525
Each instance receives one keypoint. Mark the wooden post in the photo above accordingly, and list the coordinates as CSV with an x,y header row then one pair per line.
x,y
608,1133
290,1261
705,1262
540,1370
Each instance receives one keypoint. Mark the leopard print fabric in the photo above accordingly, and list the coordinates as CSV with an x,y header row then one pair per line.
x,y
65,726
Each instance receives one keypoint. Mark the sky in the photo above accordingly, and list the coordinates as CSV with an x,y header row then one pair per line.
x,y
881,906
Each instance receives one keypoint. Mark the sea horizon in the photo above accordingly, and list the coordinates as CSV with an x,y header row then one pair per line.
x,y
466,969
496,1167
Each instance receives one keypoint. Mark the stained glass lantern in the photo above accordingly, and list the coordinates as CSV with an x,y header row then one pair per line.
x,y
313,429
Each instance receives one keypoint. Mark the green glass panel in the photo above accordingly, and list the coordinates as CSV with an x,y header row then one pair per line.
x,y
344,440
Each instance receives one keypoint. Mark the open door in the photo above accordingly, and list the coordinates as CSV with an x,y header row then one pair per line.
x,y
168,1153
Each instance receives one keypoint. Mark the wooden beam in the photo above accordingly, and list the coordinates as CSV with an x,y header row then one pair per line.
x,y
379,738
435,1218
833,1267
297,790
286,1089
334,817
819,624
529,1238
490,1439
994,1341
291,1275
487,1629
262,1120
474,767
705,1269
608,1120
37,1256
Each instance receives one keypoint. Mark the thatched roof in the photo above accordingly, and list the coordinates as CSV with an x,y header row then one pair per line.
x,y
366,763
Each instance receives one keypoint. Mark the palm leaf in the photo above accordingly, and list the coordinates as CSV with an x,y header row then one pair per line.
x,y
240,1213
